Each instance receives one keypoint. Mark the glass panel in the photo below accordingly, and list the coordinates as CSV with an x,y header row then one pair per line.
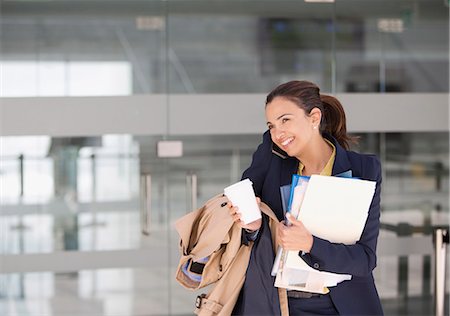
x,y
78,49
70,190
66,78
344,47
81,195
415,195
242,53
387,47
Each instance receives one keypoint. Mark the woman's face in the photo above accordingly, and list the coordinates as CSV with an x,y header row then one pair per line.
x,y
290,128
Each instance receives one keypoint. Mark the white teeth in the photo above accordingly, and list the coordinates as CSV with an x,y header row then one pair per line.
x,y
287,141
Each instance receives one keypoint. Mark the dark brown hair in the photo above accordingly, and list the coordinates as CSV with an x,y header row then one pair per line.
x,y
307,96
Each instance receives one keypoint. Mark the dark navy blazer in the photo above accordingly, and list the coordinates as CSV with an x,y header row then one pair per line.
x,y
270,169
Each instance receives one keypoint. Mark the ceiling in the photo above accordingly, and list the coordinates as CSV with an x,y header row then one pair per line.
x,y
425,9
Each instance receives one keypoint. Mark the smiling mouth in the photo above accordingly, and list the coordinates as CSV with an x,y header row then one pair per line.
x,y
286,142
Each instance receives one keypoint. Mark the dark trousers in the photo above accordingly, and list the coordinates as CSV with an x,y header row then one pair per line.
x,y
318,305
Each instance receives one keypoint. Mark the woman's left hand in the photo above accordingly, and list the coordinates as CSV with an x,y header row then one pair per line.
x,y
294,237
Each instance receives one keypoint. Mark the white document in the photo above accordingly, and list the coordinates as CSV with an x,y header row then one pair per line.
x,y
299,194
296,274
334,209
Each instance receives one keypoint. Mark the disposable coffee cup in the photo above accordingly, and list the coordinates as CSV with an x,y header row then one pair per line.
x,y
241,194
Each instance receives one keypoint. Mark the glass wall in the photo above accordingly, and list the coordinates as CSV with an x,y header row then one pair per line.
x,y
99,211
75,48
87,219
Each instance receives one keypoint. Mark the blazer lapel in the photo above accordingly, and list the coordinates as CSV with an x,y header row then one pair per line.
x,y
290,168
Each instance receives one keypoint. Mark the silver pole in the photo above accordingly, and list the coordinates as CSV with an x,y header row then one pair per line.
x,y
441,241
146,203
191,187
194,191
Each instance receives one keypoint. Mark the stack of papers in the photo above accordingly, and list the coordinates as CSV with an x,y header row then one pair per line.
x,y
331,208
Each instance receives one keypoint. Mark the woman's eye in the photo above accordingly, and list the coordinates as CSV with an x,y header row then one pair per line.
x,y
284,120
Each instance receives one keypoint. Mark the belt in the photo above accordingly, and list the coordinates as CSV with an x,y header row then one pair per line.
x,y
300,294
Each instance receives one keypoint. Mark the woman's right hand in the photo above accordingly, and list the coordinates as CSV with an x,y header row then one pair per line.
x,y
236,215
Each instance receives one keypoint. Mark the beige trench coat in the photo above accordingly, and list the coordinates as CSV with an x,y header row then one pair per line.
x,y
210,232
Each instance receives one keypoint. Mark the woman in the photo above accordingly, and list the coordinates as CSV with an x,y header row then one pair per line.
x,y
307,135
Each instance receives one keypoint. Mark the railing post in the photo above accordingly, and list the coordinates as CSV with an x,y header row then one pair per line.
x,y
403,230
441,240
192,191
146,203
21,157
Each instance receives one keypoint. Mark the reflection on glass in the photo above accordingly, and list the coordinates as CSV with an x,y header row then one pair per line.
x,y
102,213
69,194
192,47
390,48
71,78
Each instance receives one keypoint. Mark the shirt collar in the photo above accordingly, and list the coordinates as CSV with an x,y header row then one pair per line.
x,y
328,169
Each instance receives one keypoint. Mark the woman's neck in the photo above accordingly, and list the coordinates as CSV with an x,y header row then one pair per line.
x,y
316,157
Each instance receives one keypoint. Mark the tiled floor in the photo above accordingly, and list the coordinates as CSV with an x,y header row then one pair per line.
x,y
133,292
154,291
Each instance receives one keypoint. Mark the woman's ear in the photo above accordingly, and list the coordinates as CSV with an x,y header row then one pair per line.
x,y
315,116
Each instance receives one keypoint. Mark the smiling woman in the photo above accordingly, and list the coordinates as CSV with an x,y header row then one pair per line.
x,y
310,131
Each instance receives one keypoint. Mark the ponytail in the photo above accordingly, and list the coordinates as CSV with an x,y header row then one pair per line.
x,y
334,122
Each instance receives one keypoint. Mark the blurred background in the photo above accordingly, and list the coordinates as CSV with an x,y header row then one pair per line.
x,y
92,91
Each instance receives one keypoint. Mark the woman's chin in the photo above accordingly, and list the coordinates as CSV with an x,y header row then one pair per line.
x,y
291,152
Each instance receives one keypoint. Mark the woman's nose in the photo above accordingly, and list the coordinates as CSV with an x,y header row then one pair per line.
x,y
279,134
